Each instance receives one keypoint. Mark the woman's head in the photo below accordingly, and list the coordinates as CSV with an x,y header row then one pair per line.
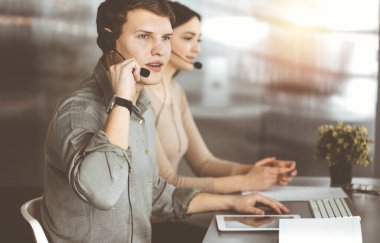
x,y
186,37
182,13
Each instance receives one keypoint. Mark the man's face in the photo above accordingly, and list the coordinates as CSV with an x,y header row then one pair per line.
x,y
146,37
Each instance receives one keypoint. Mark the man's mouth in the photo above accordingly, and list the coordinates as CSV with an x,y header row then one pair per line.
x,y
155,66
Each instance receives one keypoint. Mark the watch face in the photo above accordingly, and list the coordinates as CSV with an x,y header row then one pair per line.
x,y
111,104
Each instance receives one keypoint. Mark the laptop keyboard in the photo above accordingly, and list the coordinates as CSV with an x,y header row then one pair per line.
x,y
330,208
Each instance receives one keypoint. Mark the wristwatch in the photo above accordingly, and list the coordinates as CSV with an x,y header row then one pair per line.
x,y
117,101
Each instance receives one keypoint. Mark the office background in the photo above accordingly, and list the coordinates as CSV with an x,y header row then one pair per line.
x,y
274,70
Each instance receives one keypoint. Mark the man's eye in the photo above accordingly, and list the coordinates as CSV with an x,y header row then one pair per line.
x,y
166,38
143,36
188,38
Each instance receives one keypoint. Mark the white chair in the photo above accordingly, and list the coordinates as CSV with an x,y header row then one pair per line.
x,y
31,211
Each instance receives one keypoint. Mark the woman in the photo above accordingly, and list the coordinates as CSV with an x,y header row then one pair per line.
x,y
177,133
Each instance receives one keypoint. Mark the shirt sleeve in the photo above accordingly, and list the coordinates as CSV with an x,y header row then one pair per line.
x,y
170,202
96,169
200,159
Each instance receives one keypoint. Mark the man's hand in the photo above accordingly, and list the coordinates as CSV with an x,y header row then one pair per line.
x,y
249,204
123,77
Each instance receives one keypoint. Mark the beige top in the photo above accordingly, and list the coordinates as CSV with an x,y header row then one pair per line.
x,y
178,136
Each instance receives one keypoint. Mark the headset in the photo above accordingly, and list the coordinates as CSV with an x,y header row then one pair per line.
x,y
107,42
197,65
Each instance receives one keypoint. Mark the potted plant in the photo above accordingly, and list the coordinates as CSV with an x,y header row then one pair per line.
x,y
341,146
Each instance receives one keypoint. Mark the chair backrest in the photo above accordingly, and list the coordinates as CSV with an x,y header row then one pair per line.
x,y
31,211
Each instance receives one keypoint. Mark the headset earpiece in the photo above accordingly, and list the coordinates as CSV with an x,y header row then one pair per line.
x,y
107,41
106,37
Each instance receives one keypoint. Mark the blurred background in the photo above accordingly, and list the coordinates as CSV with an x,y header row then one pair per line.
x,y
274,70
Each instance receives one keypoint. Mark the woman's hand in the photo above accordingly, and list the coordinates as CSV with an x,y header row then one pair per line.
x,y
285,178
286,168
259,178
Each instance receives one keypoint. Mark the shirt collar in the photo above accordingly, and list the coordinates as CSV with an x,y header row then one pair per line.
x,y
101,77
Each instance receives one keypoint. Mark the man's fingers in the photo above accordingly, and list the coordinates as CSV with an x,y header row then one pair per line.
x,y
136,73
275,205
254,210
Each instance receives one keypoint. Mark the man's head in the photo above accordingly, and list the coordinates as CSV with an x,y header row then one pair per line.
x,y
139,29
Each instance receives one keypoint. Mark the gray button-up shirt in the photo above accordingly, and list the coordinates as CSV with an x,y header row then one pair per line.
x,y
96,191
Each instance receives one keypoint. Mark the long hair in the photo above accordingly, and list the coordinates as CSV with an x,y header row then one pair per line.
x,y
182,14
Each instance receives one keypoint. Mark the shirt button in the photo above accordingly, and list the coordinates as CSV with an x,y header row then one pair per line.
x,y
146,151
140,121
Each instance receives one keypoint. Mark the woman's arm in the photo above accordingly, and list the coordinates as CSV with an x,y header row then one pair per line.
x,y
217,175
199,157
256,180
230,176
167,172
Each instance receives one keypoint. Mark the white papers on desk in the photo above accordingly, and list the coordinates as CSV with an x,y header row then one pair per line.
x,y
326,230
302,193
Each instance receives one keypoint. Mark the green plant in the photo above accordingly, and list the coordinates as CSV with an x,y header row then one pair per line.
x,y
342,143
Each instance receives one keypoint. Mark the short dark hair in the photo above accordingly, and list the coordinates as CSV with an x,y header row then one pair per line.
x,y
112,14
182,13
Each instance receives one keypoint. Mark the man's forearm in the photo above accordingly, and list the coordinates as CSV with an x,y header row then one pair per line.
x,y
204,202
117,126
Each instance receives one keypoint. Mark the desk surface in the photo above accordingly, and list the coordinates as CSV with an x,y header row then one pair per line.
x,y
367,206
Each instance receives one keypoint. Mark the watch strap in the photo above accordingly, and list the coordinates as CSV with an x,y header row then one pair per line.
x,y
122,102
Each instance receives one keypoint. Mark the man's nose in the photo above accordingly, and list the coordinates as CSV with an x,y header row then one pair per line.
x,y
158,48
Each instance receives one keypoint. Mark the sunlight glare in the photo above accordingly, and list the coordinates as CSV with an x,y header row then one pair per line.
x,y
240,32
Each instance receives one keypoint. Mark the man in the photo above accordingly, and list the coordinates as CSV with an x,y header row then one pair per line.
x,y
102,182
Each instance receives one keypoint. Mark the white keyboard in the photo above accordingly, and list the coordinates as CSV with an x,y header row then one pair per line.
x,y
330,208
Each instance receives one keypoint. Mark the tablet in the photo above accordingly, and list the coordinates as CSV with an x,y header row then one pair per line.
x,y
251,222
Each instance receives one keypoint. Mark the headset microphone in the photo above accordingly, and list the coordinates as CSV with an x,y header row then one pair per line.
x,y
144,72
197,65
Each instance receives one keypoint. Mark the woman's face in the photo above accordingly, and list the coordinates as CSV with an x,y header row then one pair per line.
x,y
185,44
